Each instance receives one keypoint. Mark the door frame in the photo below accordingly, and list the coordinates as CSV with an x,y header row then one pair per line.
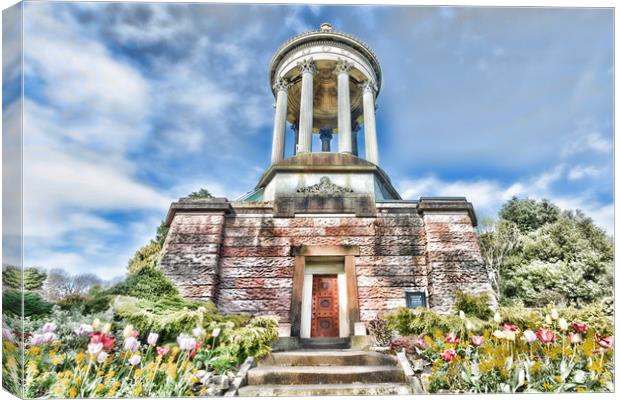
x,y
347,286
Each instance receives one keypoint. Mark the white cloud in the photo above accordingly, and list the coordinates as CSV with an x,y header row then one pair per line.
x,y
583,171
593,141
488,195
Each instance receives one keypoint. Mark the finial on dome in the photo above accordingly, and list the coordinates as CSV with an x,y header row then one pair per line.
x,y
326,27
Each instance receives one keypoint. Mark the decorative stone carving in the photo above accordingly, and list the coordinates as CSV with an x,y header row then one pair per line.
x,y
325,187
307,65
369,86
343,66
281,84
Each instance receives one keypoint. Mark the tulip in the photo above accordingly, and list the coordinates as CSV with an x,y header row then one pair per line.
x,y
131,344
134,360
554,313
8,335
106,328
108,341
529,336
499,334
49,327
468,325
216,332
452,338
162,351
448,355
96,324
510,335
152,338
83,330
510,327
49,337
579,327
497,318
129,331
574,337
477,340
102,357
186,342
548,319
420,343
563,324
36,339
95,348
198,331
606,342
461,314
545,335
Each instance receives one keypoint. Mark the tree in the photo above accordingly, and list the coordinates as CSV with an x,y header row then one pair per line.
x,y
34,278
145,257
497,243
12,277
542,254
60,284
201,194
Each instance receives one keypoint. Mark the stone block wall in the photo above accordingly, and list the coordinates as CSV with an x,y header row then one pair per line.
x,y
454,259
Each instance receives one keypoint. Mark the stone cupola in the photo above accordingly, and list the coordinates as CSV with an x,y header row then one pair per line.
x,y
325,84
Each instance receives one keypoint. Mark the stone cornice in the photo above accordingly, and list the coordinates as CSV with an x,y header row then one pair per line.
x,y
447,204
204,205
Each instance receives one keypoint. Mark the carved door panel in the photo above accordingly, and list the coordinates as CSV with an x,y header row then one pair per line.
x,y
325,322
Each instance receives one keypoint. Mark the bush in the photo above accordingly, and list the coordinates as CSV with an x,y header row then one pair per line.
x,y
34,305
147,283
74,300
421,321
473,305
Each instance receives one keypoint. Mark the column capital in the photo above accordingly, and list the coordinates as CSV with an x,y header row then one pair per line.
x,y
307,65
343,66
369,86
281,84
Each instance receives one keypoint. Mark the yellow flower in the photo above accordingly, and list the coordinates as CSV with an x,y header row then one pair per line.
x,y
580,390
171,371
137,390
99,388
601,381
558,378
72,392
79,357
34,350
137,373
547,386
57,359
109,376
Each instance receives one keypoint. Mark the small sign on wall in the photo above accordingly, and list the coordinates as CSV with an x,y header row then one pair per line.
x,y
415,299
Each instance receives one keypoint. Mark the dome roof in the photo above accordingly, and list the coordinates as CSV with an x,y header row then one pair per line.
x,y
325,32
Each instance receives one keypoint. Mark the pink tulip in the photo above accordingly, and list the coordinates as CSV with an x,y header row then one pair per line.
x,y
545,335
162,351
420,343
452,338
134,360
510,327
477,340
574,337
606,342
448,355
529,336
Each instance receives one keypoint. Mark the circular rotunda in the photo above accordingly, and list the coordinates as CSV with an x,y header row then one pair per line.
x,y
325,83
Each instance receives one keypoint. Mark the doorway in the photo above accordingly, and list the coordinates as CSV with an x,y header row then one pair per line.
x,y
325,316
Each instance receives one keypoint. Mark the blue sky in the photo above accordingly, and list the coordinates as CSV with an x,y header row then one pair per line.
x,y
130,106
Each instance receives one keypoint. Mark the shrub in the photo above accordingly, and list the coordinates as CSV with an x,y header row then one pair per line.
x,y
34,305
147,283
74,300
421,321
476,305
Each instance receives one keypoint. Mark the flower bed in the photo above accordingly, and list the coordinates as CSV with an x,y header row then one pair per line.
x,y
500,356
94,360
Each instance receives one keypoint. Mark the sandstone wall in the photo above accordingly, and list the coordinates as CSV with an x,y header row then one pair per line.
x,y
454,259
256,265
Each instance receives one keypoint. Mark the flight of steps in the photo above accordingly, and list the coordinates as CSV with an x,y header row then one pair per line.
x,y
326,372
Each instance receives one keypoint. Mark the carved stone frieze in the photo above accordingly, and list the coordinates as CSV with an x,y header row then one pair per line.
x,y
325,186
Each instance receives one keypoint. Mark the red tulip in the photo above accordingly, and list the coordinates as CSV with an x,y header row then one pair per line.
x,y
477,340
107,341
545,335
162,351
605,342
510,327
448,355
452,338
579,327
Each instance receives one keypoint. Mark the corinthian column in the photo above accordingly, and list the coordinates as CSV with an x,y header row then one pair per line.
x,y
279,123
370,129
344,107
308,69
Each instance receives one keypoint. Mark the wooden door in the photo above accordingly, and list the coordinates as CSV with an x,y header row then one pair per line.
x,y
325,318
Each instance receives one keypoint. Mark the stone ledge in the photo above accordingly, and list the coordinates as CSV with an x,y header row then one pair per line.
x,y
447,204
188,205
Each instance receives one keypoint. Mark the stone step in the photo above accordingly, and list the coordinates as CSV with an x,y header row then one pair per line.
x,y
308,375
325,343
328,357
351,389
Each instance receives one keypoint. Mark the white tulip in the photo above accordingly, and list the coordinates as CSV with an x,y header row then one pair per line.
x,y
554,314
468,325
563,324
548,319
461,314
497,318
